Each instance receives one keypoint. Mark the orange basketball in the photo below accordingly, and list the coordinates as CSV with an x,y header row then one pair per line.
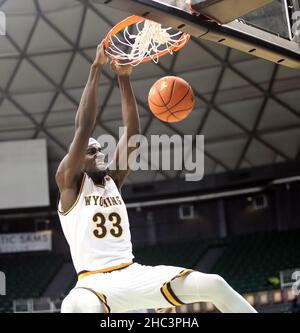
x,y
171,99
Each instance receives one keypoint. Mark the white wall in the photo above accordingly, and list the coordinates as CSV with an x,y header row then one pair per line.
x,y
23,174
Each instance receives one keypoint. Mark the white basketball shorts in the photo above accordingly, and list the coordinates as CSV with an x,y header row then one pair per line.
x,y
134,287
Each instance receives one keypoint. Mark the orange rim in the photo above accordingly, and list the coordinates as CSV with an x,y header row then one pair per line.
x,y
136,19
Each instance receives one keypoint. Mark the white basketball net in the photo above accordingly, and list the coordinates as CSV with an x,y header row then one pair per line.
x,y
147,42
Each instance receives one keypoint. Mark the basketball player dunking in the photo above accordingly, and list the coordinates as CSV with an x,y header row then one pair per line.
x,y
95,223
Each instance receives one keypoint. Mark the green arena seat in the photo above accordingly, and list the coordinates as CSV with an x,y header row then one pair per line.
x,y
249,261
27,275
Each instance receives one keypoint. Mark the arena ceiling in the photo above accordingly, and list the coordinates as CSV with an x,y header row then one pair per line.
x,y
247,108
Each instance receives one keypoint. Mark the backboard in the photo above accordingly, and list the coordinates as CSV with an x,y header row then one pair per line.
x,y
270,32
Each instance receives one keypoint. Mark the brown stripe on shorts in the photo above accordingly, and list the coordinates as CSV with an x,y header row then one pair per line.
x,y
102,298
167,291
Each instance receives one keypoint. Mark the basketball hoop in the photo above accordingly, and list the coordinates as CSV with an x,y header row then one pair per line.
x,y
131,43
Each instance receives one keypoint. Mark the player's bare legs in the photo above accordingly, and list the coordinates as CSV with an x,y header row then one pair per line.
x,y
200,287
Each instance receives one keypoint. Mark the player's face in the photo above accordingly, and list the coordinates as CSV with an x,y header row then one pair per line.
x,y
94,160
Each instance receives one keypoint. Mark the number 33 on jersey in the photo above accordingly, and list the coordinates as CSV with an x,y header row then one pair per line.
x,y
97,227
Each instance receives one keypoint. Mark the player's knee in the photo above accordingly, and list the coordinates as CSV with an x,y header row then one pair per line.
x,y
214,283
68,304
218,284
82,301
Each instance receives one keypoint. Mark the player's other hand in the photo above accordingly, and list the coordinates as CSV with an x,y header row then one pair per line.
x,y
101,58
121,70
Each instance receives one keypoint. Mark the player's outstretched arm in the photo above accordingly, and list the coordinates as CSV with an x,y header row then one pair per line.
x,y
70,168
130,120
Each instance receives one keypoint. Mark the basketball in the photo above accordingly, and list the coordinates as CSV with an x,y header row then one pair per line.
x,y
171,99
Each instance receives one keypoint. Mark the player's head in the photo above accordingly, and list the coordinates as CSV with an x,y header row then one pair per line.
x,y
94,158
